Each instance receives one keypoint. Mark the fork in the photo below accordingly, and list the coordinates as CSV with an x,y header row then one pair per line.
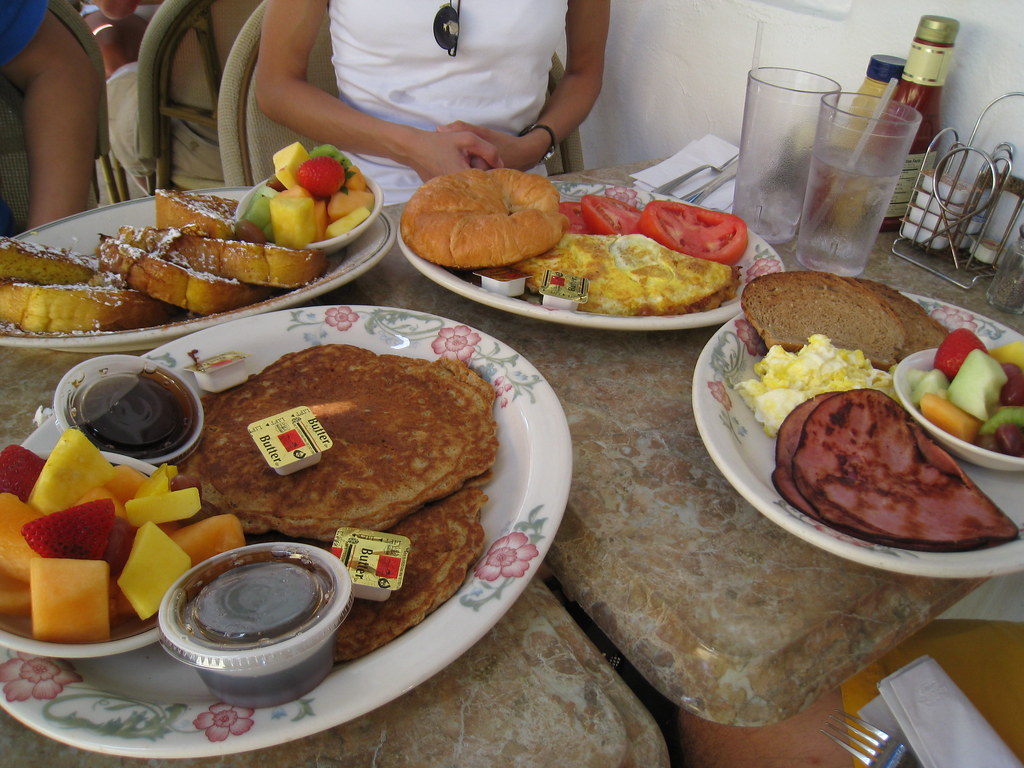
x,y
870,745
668,186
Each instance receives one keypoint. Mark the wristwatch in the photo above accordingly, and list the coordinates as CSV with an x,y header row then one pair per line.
x,y
551,133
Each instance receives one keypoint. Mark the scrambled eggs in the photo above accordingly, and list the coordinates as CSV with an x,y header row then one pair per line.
x,y
786,379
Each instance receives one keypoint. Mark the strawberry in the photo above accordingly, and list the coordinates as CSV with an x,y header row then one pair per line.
x,y
954,348
19,468
79,533
321,176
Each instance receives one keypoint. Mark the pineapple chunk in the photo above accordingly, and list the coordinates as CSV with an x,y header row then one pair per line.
x,y
158,483
70,600
348,222
153,565
173,505
287,162
74,467
293,220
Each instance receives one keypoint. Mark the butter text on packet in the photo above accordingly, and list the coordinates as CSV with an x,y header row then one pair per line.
x,y
290,440
375,560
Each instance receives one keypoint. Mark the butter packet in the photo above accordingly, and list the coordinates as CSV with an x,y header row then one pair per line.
x,y
562,291
290,440
376,561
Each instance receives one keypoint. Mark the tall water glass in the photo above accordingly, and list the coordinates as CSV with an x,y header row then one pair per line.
x,y
780,113
859,151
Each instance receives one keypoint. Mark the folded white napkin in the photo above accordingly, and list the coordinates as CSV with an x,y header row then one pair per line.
x,y
709,149
921,705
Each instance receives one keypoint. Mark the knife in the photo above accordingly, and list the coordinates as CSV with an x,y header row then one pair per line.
x,y
697,197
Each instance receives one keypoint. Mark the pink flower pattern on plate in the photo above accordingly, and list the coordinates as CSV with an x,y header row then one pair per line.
x,y
457,343
508,557
222,720
35,677
721,394
625,194
341,318
501,389
954,317
751,338
762,267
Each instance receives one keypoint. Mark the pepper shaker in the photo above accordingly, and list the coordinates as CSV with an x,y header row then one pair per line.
x,y
1006,291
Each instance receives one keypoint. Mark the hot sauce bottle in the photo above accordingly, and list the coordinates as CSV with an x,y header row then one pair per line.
x,y
921,87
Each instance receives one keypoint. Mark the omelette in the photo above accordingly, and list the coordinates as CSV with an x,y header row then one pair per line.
x,y
405,432
632,275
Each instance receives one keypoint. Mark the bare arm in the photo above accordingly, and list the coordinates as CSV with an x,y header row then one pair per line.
x,y
282,92
586,30
62,94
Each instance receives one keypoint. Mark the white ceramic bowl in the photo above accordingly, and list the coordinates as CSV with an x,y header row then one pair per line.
x,y
92,385
16,631
925,361
333,244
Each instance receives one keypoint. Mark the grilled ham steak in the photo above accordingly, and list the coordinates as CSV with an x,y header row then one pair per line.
x,y
858,463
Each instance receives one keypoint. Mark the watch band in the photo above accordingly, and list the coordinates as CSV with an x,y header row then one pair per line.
x,y
554,142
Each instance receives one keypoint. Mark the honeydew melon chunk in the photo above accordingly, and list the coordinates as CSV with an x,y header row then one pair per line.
x,y
153,565
975,388
933,381
74,467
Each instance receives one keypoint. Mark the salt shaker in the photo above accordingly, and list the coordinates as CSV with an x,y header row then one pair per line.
x,y
1006,291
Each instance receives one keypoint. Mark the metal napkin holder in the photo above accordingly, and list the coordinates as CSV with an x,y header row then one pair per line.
x,y
948,227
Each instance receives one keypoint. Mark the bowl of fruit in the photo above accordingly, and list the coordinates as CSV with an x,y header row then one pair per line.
x,y
969,398
315,199
89,543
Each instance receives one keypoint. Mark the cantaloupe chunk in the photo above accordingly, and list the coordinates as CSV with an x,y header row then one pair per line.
x,y
158,483
125,483
70,600
153,565
15,597
74,466
206,538
950,418
173,505
344,201
101,492
15,553
354,179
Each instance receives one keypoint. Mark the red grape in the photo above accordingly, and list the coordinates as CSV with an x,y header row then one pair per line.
x,y
1010,439
1011,370
1012,392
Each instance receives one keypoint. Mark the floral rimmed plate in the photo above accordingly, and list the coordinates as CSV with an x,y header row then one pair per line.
x,y
758,259
746,455
144,704
81,233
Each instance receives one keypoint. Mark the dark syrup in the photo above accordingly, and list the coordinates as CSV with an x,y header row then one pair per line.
x,y
137,415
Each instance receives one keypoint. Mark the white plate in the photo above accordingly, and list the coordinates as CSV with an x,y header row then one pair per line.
x,y
144,704
758,259
746,456
81,233
333,244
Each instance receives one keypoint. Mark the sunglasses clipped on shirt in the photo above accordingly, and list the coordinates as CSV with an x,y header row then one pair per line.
x,y
446,27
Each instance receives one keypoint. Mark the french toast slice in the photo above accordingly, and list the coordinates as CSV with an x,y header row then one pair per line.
x,y
35,263
78,308
200,292
256,263
212,215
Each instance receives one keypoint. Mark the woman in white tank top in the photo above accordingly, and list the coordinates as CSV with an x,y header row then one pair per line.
x,y
409,109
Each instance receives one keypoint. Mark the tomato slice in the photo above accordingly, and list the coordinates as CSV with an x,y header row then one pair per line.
x,y
695,231
571,209
608,216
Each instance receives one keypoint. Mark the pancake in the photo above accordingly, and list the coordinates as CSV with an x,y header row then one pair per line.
x,y
405,432
445,539
632,275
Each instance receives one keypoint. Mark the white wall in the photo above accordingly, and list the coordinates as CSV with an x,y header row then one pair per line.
x,y
676,69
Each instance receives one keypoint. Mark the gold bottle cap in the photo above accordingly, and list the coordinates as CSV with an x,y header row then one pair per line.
x,y
938,29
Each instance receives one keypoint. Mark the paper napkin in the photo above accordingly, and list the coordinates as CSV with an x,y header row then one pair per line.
x,y
709,149
921,704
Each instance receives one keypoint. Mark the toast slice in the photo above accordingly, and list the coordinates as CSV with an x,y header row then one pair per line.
x,y
786,308
922,330
211,215
259,264
78,308
34,263
178,284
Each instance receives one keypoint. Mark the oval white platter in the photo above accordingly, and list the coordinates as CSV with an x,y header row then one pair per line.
x,y
757,259
81,233
145,704
746,455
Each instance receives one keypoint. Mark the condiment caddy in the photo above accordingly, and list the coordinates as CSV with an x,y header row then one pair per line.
x,y
964,207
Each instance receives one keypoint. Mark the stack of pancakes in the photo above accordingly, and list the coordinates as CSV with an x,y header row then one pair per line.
x,y
412,438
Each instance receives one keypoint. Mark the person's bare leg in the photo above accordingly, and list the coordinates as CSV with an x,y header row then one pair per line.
x,y
795,741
